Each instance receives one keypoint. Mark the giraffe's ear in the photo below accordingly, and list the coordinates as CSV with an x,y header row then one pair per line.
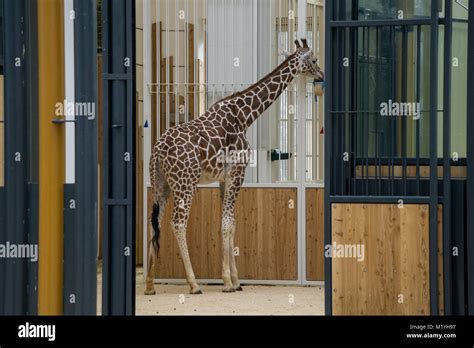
x,y
297,43
285,54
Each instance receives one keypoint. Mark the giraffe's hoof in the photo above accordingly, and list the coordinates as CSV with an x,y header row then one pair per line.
x,y
150,292
238,288
228,289
196,292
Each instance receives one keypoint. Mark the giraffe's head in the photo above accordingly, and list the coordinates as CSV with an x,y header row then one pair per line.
x,y
307,62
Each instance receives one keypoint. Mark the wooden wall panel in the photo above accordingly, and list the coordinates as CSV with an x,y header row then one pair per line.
x,y
266,236
396,260
315,234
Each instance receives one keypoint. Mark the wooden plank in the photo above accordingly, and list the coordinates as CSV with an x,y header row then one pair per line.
x,y
393,278
315,234
266,236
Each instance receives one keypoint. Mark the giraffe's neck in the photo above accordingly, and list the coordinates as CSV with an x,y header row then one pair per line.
x,y
266,91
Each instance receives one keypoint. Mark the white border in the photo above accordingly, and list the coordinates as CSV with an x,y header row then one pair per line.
x,y
69,85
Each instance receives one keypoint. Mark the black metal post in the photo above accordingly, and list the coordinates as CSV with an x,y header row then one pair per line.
x,y
118,157
80,253
14,277
433,223
447,252
328,119
470,165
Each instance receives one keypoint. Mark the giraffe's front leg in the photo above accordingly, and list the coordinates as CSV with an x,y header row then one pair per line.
x,y
233,266
226,251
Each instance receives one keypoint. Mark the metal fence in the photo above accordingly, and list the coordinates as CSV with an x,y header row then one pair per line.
x,y
390,122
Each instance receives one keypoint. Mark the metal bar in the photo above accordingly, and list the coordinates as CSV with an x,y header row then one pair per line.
x,y
447,253
106,245
131,165
328,59
33,145
470,166
380,199
418,100
14,278
118,174
433,240
147,118
365,88
376,126
353,42
380,23
301,148
404,98
86,188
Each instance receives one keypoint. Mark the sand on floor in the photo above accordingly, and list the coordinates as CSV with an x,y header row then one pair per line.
x,y
174,299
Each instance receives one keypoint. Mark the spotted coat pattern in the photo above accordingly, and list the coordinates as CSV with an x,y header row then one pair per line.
x,y
192,153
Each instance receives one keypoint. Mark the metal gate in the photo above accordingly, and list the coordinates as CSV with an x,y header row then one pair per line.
x,y
390,124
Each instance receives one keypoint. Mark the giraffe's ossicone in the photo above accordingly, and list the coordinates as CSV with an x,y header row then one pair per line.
x,y
196,152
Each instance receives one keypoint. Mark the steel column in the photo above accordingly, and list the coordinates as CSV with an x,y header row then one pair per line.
x,y
118,178
14,275
328,119
470,166
433,223
447,231
80,253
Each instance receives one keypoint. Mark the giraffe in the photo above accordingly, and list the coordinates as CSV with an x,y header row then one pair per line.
x,y
191,153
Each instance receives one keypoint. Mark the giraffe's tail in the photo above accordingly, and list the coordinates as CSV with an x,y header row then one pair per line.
x,y
156,228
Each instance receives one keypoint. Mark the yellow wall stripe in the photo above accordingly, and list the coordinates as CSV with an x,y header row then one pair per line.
x,y
51,157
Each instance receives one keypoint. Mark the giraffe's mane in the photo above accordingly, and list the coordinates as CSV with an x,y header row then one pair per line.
x,y
263,79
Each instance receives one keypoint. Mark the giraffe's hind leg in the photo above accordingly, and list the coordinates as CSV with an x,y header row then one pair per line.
x,y
182,206
161,193
229,193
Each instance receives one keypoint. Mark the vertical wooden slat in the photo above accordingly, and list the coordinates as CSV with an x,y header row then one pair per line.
x,y
315,234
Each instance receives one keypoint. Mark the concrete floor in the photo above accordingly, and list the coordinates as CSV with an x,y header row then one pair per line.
x,y
174,299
